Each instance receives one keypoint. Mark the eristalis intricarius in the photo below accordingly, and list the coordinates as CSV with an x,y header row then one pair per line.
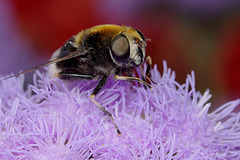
x,y
97,53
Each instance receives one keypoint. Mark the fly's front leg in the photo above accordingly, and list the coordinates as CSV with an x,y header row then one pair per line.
x,y
143,76
134,79
147,74
99,86
149,65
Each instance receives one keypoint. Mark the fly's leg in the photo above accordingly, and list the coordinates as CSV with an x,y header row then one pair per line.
x,y
134,79
99,86
149,65
73,76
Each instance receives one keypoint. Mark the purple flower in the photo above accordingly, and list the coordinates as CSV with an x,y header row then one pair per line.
x,y
54,119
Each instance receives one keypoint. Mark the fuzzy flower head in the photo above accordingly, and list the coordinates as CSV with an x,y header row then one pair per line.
x,y
53,119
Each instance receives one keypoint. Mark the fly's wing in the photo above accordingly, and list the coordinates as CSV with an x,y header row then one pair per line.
x,y
79,67
52,61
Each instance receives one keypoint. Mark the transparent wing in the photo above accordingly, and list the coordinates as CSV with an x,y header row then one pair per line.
x,y
69,56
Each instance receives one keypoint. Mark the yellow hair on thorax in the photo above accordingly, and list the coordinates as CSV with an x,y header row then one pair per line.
x,y
106,29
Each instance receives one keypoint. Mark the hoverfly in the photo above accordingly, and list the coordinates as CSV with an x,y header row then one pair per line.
x,y
97,53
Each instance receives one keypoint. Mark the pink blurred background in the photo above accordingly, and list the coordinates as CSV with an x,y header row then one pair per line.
x,y
199,35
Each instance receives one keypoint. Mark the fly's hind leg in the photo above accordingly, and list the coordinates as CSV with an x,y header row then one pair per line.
x,y
99,86
73,76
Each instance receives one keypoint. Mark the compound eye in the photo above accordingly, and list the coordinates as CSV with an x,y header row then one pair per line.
x,y
120,48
